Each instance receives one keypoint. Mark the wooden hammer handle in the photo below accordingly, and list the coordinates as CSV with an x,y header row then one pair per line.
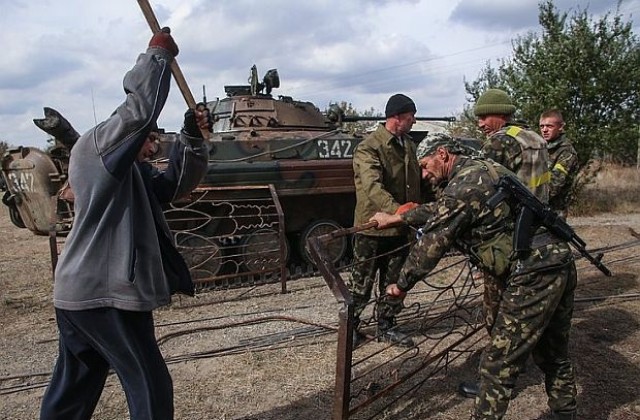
x,y
147,11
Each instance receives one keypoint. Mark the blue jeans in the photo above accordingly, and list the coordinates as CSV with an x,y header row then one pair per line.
x,y
91,342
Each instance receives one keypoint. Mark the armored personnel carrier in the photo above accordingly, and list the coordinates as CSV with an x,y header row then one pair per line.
x,y
280,171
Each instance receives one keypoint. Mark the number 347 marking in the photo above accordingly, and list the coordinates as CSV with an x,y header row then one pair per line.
x,y
335,149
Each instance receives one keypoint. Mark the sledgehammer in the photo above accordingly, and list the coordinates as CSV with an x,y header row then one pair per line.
x,y
147,11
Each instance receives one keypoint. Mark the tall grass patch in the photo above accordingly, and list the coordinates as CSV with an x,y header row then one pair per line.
x,y
612,189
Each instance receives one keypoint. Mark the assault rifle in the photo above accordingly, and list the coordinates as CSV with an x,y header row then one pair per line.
x,y
533,213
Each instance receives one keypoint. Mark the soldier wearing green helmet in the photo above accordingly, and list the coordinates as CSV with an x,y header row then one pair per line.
x,y
513,145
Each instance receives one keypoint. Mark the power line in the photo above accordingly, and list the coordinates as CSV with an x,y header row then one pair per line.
x,y
336,83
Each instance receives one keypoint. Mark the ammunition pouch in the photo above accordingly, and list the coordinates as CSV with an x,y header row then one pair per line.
x,y
494,255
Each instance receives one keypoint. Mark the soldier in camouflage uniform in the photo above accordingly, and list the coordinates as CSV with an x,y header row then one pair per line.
x,y
519,149
386,175
563,160
534,313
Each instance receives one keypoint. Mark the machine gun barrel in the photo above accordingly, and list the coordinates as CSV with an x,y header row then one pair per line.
x,y
356,118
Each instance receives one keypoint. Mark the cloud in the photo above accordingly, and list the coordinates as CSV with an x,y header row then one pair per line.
x,y
495,14
360,51
500,15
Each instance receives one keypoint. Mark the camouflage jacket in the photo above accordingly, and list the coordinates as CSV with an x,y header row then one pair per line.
x,y
563,165
386,175
461,219
523,152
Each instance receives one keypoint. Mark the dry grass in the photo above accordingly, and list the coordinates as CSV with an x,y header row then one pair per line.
x,y
295,380
614,189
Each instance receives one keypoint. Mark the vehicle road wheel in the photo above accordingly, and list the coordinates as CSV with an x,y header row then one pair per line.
x,y
336,249
202,254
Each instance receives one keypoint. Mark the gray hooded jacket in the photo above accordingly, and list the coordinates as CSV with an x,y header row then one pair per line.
x,y
119,252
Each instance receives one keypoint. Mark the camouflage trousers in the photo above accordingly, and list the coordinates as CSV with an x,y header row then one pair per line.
x,y
493,289
382,255
534,317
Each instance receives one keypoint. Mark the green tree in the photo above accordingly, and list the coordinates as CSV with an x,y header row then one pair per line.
x,y
589,69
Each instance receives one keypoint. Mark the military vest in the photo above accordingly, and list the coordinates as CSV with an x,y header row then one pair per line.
x,y
533,171
490,248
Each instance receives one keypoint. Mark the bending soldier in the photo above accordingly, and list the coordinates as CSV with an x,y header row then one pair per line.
x,y
533,313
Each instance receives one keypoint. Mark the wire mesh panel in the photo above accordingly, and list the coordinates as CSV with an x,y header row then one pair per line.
x,y
231,237
442,315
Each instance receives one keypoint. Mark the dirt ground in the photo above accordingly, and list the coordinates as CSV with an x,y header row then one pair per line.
x,y
257,354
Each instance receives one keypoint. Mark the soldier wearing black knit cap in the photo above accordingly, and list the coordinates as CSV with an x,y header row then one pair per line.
x,y
386,176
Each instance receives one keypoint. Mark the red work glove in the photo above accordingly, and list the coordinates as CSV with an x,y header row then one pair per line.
x,y
406,207
164,40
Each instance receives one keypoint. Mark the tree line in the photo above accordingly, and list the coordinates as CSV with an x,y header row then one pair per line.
x,y
588,68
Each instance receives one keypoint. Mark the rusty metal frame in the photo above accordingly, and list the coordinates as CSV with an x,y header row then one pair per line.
x,y
266,207
281,231
430,356
332,277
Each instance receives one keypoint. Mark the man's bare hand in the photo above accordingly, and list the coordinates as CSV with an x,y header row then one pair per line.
x,y
202,119
393,290
386,220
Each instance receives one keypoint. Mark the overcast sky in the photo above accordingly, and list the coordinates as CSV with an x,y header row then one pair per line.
x,y
71,55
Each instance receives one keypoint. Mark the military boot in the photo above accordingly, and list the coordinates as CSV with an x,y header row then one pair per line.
x,y
389,334
469,389
572,415
357,338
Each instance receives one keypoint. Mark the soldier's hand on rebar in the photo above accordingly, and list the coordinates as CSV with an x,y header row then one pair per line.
x,y
393,290
386,220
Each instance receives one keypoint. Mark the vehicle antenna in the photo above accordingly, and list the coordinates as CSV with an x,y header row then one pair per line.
x,y
93,104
